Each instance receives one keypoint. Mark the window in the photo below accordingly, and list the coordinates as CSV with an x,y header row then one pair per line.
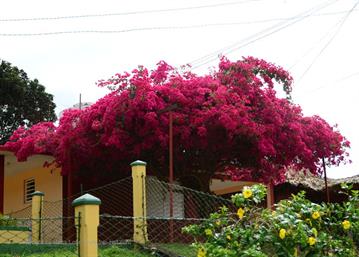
x,y
29,188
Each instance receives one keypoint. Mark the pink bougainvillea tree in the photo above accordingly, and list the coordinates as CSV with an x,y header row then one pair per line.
x,y
229,121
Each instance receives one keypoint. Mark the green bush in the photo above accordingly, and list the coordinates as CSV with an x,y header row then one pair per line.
x,y
6,221
297,227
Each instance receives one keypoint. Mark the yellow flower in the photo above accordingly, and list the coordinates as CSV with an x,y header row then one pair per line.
x,y
315,232
201,252
282,233
218,222
208,232
315,215
311,240
346,224
247,192
240,213
229,237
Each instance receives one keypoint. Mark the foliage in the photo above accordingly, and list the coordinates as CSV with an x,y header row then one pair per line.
x,y
6,221
230,120
297,227
23,102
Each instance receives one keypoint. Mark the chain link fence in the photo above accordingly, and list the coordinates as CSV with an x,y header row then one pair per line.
x,y
21,234
27,236
169,207
23,213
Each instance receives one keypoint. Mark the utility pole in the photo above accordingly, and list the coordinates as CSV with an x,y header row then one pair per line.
x,y
171,172
80,103
169,109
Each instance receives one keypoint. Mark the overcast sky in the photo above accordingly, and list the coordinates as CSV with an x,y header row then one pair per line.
x,y
315,39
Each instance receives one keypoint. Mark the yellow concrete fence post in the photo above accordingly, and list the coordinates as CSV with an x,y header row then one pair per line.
x,y
139,202
87,219
36,215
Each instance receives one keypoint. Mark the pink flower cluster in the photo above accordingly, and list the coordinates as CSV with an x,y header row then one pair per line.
x,y
228,121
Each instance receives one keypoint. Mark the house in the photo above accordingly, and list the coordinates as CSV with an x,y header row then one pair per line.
x,y
18,180
314,187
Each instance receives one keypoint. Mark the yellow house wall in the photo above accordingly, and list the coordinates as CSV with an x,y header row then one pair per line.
x,y
47,180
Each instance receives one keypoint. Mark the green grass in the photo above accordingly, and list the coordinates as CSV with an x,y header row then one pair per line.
x,y
20,250
117,251
184,250
23,250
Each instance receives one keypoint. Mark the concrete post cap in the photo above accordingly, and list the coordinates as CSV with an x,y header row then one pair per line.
x,y
86,199
37,193
138,163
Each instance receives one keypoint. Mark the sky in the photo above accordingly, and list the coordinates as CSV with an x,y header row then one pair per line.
x,y
69,45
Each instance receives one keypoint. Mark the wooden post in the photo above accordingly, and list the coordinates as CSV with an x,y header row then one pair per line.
x,y
139,202
36,215
326,181
270,196
87,220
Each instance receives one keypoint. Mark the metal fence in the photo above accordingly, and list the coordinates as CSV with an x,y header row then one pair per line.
x,y
166,214
26,235
170,207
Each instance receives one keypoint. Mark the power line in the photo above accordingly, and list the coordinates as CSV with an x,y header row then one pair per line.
x,y
128,13
195,26
341,23
320,40
330,85
259,35
140,28
209,57
327,33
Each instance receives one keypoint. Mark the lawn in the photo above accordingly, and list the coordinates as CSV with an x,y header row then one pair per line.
x,y
66,251
22,250
184,250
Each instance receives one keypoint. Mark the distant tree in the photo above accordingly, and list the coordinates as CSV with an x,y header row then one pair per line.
x,y
229,122
23,102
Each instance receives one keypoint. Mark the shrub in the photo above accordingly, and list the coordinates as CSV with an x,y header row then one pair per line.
x,y
6,221
297,227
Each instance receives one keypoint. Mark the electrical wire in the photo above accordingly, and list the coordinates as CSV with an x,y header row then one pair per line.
x,y
322,38
195,26
340,26
128,13
214,55
305,93
259,35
